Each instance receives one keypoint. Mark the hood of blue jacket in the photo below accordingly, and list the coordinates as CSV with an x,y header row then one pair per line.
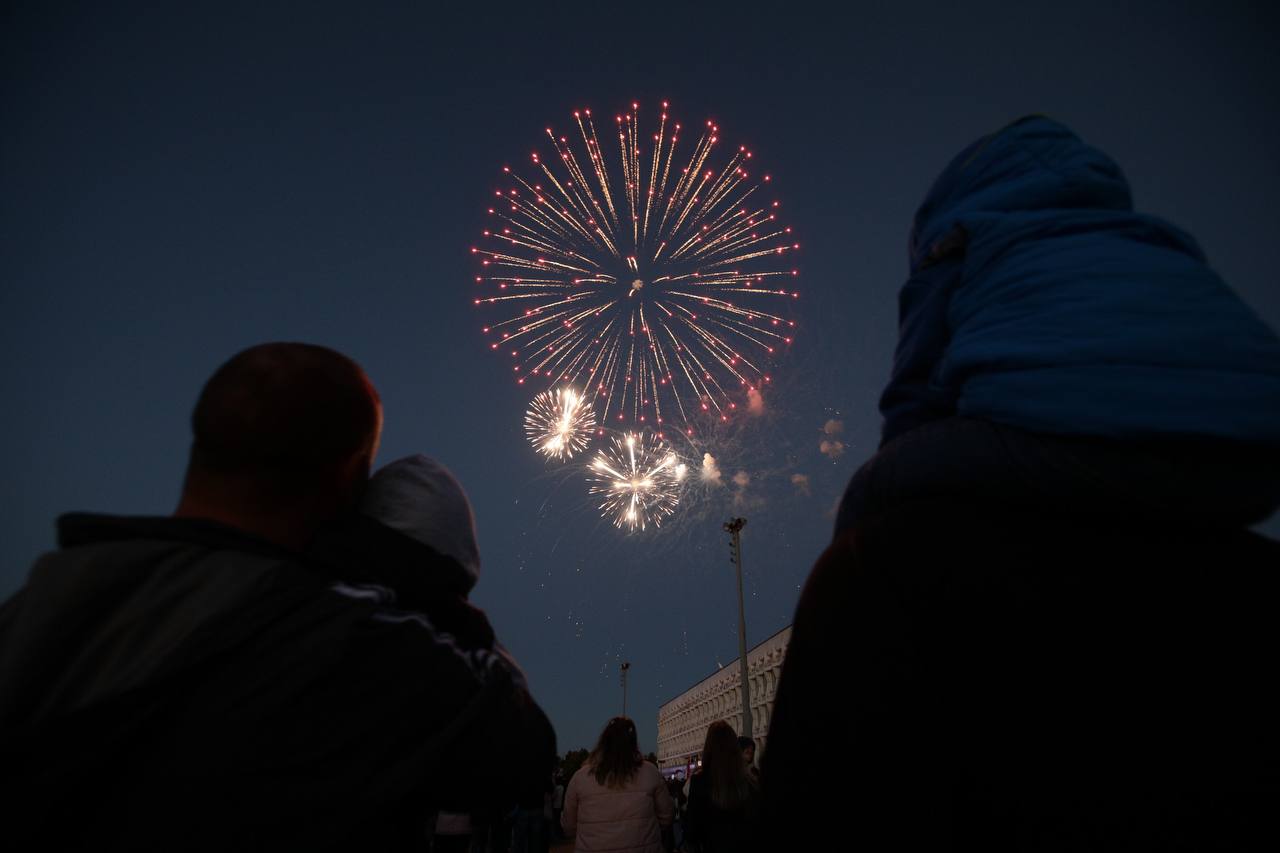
x,y
1039,299
1033,164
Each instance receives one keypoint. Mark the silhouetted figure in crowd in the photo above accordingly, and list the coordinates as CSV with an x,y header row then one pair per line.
x,y
491,830
531,830
724,799
196,682
617,801
414,541
748,748
557,806
1058,349
414,535
1042,622
675,787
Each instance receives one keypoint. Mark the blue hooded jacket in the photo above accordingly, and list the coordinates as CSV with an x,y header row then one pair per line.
x,y
1039,299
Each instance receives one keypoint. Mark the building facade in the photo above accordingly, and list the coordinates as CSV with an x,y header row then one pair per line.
x,y
684,720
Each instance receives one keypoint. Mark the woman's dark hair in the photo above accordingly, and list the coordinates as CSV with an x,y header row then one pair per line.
x,y
616,757
726,772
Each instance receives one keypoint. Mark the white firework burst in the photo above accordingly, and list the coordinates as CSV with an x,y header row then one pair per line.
x,y
639,477
559,424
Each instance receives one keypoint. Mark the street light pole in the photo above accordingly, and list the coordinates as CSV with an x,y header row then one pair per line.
x,y
734,528
626,665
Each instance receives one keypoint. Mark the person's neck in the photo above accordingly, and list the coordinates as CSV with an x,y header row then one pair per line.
x,y
279,528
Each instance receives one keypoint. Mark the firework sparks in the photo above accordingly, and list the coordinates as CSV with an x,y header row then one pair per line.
x,y
639,477
559,423
640,273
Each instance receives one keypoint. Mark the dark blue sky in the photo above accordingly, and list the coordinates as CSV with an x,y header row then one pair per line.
x,y
180,184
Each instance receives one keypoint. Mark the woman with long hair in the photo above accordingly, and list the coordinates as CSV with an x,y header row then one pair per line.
x,y
617,801
723,797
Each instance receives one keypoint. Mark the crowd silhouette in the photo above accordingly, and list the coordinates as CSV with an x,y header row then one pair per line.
x,y
1042,622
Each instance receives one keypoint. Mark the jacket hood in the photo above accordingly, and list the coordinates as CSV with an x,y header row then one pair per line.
x,y
1033,164
417,496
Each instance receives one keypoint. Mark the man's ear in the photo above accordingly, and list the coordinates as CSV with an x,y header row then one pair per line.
x,y
357,474
344,483
377,439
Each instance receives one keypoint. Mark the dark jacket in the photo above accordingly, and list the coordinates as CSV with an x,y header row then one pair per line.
x,y
1039,299
963,675
176,684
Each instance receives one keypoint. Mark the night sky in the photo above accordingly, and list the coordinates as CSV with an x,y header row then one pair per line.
x,y
178,185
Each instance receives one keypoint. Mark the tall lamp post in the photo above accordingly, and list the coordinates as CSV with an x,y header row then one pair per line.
x,y
734,528
626,665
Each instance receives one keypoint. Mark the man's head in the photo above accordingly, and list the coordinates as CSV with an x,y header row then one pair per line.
x,y
748,747
284,437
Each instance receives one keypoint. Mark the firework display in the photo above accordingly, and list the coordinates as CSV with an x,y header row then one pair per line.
x,y
559,423
639,478
642,273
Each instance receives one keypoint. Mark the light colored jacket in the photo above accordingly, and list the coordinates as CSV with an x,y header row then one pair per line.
x,y
629,818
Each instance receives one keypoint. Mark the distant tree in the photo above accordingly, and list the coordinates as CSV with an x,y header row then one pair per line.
x,y
573,759
652,758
